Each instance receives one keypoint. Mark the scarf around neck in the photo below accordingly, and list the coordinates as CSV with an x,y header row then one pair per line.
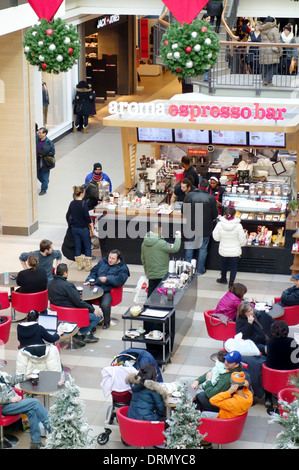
x,y
287,39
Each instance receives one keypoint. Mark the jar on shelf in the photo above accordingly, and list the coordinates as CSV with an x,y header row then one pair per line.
x,y
276,189
228,188
252,189
260,188
286,189
268,189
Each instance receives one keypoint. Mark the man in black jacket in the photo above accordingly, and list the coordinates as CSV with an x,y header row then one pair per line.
x,y
200,210
44,148
64,294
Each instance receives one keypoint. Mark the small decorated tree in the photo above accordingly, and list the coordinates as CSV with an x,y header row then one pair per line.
x,y
189,49
288,438
69,429
182,432
53,47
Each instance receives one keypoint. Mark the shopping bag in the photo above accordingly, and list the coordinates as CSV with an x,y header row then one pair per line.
x,y
245,347
141,290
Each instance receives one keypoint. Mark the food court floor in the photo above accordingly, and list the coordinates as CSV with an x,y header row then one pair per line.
x,y
76,154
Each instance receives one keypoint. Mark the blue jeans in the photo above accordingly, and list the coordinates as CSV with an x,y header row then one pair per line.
x,y
82,241
36,413
201,257
43,175
93,321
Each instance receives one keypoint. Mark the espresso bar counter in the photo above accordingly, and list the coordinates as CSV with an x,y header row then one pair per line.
x,y
124,228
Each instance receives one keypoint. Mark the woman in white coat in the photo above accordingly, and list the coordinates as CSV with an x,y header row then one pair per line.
x,y
229,232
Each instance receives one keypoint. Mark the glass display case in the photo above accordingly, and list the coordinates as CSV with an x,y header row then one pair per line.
x,y
258,207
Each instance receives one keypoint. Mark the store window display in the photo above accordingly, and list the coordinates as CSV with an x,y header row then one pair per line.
x,y
55,99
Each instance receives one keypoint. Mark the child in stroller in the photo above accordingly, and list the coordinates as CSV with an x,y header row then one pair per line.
x,y
114,383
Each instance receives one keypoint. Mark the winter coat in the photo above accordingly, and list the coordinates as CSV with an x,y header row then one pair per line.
x,y
155,254
116,274
214,7
148,402
105,177
48,358
78,214
83,101
32,280
269,33
282,354
290,297
228,305
29,333
64,294
46,150
234,405
91,195
200,199
252,330
230,234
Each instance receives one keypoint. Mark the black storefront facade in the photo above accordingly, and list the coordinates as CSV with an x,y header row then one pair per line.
x,y
110,55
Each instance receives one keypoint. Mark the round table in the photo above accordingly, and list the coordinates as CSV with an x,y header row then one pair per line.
x,y
47,385
88,292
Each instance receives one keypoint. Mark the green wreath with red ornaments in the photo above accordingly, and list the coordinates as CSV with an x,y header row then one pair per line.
x,y
189,50
53,46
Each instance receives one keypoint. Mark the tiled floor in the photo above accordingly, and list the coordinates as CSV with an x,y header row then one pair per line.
x,y
76,155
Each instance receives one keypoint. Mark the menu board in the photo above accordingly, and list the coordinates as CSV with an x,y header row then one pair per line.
x,y
154,134
191,136
267,139
229,137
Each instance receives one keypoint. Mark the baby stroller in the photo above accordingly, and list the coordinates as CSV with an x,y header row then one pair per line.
x,y
127,362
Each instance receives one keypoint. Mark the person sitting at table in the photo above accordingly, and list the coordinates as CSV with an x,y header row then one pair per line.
x,y
233,363
30,332
290,296
46,257
254,325
65,294
33,279
282,352
111,271
148,396
213,374
12,404
36,348
233,402
230,302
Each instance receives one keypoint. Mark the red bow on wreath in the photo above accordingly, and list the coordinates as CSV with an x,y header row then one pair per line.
x,y
185,10
45,8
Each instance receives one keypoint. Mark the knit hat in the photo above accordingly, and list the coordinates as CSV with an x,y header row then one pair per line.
x,y
289,28
237,378
296,277
97,167
233,356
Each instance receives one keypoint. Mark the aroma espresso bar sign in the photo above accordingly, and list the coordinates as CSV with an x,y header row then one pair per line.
x,y
196,112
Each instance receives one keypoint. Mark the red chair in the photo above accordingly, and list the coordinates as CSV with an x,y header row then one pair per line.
x,y
139,433
4,335
291,314
7,441
4,301
222,431
275,380
72,315
23,303
116,294
288,395
218,330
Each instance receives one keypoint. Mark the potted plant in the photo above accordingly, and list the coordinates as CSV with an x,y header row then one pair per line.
x,y
293,206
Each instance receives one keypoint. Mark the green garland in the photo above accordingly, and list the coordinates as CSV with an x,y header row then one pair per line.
x,y
189,50
53,47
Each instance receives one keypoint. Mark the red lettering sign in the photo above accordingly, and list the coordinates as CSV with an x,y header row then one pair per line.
x,y
144,39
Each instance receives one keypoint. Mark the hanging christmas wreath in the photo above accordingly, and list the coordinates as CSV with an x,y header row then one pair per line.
x,y
53,47
189,50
